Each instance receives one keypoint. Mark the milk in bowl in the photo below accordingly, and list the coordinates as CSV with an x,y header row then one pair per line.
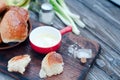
x,y
45,36
46,40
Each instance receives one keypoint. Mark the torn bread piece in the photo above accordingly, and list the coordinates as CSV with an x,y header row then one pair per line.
x,y
52,64
18,63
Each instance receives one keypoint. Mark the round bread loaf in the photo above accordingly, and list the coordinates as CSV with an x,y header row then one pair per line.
x,y
14,27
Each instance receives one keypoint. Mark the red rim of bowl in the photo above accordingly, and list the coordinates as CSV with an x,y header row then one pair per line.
x,y
33,45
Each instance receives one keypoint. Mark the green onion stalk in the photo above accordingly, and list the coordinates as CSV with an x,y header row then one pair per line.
x,y
66,16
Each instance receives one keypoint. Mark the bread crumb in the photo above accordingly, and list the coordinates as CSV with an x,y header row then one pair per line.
x,y
83,60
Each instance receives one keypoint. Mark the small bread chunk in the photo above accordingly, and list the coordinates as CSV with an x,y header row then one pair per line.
x,y
52,64
83,60
18,63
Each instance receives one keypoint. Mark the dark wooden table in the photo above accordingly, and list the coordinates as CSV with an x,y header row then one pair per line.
x,y
102,19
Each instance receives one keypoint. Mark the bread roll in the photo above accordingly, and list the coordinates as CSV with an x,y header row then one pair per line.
x,y
52,64
18,63
13,27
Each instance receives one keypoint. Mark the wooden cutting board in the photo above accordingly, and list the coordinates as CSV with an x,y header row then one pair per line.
x,y
73,68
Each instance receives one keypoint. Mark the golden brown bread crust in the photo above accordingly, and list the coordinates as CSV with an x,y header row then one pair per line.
x,y
20,57
3,5
13,27
23,13
53,58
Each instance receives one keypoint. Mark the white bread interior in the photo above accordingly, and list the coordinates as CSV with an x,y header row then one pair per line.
x,y
18,63
52,64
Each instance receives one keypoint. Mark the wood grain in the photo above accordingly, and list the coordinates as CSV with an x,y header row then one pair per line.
x,y
102,21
